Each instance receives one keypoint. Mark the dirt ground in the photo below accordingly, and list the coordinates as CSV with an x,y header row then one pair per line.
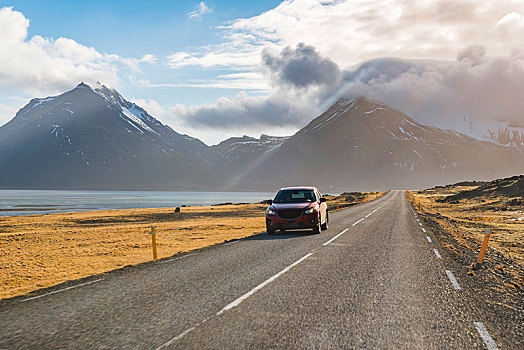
x,y
469,209
40,251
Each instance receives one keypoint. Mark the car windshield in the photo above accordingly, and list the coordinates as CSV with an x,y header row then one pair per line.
x,y
295,196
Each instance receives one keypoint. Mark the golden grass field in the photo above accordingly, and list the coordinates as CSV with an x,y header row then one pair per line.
x,y
472,217
44,250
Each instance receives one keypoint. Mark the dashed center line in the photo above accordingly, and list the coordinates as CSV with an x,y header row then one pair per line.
x,y
437,254
332,239
358,222
262,285
490,343
423,229
453,280
429,239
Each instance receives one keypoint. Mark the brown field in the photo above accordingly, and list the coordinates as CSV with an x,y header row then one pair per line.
x,y
471,217
44,250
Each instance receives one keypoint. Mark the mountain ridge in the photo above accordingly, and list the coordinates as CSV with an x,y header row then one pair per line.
x,y
93,138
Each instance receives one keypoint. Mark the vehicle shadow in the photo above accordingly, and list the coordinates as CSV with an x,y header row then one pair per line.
x,y
279,235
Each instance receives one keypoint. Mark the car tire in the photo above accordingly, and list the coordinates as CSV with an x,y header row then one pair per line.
x,y
318,227
270,231
324,226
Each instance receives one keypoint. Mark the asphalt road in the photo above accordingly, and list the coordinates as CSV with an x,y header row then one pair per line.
x,y
372,281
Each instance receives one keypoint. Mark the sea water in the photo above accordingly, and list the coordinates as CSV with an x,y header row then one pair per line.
x,y
30,202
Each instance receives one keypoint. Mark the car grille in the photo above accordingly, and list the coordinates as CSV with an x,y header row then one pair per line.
x,y
290,214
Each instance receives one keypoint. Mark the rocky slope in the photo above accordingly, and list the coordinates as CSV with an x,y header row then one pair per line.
x,y
363,144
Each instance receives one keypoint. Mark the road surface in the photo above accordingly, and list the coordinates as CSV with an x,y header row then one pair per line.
x,y
375,280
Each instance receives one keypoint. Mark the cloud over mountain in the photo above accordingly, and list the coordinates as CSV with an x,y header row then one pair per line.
x,y
475,85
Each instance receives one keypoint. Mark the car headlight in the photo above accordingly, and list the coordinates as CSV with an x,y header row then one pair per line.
x,y
270,212
311,210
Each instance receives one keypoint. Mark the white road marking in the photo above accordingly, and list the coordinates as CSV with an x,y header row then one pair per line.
x,y
437,254
358,222
453,280
429,239
178,258
64,289
262,285
423,229
420,224
332,239
490,343
368,215
180,336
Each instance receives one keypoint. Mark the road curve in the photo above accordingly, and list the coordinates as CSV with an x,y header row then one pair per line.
x,y
374,280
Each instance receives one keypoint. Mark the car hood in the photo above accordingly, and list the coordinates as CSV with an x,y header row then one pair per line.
x,y
285,206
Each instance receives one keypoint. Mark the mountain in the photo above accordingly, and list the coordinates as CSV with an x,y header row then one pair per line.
x,y
243,151
92,138
363,144
499,132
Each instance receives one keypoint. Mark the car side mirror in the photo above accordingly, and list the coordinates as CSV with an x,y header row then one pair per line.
x,y
269,201
323,200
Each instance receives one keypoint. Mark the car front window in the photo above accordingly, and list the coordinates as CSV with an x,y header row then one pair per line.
x,y
295,196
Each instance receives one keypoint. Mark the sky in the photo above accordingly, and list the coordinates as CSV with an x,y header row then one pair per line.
x,y
216,69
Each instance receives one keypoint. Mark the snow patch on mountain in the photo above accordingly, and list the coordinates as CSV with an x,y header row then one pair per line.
x,y
498,132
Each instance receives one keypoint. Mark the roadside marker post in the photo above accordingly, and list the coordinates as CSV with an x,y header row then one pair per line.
x,y
483,249
338,207
153,242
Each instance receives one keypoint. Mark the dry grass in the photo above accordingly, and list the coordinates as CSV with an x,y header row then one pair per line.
x,y
44,250
472,217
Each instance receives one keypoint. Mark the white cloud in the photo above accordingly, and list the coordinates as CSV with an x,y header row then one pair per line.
x,y
151,106
201,10
349,32
151,59
40,65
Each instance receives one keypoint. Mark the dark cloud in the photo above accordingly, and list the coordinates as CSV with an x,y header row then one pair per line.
x,y
301,67
244,111
441,93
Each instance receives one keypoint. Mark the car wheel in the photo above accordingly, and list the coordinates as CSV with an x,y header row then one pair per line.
x,y
317,228
270,231
324,226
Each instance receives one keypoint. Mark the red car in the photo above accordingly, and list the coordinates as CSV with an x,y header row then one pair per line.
x,y
297,208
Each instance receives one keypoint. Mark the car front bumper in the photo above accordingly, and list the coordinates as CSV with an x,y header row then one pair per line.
x,y
304,221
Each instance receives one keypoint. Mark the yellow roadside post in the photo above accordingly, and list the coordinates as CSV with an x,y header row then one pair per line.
x,y
153,242
483,249
338,207
418,205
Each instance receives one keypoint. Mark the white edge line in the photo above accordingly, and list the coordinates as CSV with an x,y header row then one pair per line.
x,y
181,335
63,289
358,222
437,254
453,280
332,239
178,258
262,285
429,239
490,343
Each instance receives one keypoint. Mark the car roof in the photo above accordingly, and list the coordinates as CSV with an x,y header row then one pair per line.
x,y
299,188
